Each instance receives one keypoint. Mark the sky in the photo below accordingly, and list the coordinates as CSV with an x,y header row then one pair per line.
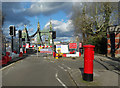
x,y
29,13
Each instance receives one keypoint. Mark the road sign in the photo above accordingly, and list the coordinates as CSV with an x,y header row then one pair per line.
x,y
27,45
46,51
58,47
64,49
72,45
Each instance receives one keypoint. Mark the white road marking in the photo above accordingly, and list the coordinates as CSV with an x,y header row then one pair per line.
x,y
62,68
52,61
66,66
69,68
56,76
95,74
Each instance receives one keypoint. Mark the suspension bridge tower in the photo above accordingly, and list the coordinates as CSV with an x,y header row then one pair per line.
x,y
50,35
38,34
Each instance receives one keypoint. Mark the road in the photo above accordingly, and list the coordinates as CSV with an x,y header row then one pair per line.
x,y
43,71
36,71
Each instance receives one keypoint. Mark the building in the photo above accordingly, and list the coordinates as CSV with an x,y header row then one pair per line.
x,y
113,41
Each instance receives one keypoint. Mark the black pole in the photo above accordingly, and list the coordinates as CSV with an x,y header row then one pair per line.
x,y
12,43
112,40
19,45
52,45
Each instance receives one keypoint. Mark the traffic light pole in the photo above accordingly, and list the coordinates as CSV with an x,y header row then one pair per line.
x,y
12,43
52,46
19,45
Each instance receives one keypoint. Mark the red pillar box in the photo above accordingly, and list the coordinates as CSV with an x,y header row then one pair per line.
x,y
88,62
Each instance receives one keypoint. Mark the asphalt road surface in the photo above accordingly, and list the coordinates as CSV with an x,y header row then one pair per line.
x,y
36,71
44,71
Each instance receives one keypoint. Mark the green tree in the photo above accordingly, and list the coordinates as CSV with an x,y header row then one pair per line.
x,y
92,19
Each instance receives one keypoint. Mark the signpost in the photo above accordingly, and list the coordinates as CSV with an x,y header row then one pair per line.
x,y
58,47
72,45
46,51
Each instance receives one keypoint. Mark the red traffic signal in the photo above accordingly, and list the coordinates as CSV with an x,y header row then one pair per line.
x,y
12,30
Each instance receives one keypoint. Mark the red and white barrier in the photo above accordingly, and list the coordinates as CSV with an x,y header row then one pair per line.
x,y
78,54
28,46
45,46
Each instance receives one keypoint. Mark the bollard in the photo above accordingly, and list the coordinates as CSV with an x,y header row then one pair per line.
x,y
25,52
20,54
7,53
88,62
15,52
56,56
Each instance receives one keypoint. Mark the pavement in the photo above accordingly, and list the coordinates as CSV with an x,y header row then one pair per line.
x,y
15,59
100,78
106,71
44,70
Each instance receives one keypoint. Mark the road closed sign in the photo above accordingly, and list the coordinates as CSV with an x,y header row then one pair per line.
x,y
72,45
46,51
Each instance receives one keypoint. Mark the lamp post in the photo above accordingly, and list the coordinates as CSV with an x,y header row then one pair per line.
x,y
77,40
51,33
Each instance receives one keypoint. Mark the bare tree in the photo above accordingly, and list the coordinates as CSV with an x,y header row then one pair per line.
x,y
92,19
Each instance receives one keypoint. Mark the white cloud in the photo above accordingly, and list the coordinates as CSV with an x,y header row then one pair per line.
x,y
61,26
30,31
64,30
47,8
62,20
69,15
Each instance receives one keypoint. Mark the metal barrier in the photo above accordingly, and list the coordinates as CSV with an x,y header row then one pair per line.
x,y
29,48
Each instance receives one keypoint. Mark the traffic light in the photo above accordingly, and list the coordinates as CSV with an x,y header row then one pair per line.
x,y
20,34
23,39
53,34
12,31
